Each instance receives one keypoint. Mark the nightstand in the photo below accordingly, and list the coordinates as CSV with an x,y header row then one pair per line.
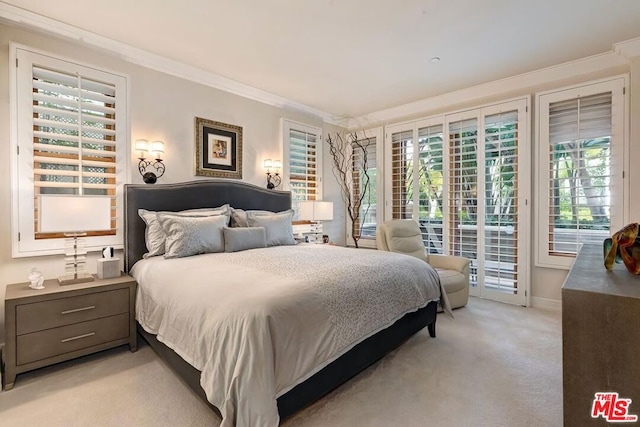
x,y
58,323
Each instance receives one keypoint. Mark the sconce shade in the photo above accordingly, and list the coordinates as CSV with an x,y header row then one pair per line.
x,y
312,210
267,164
74,214
277,164
142,145
157,147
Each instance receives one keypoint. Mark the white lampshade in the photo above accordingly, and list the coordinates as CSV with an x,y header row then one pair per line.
x,y
74,214
142,145
267,164
157,147
313,210
277,164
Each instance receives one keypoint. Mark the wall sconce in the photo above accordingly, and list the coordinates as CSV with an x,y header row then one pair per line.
x,y
273,179
156,148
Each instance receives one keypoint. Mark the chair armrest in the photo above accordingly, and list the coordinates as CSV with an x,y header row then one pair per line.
x,y
450,262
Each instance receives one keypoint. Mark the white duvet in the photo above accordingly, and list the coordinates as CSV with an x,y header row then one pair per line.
x,y
256,323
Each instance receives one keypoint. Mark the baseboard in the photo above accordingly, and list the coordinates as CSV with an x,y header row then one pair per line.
x,y
546,303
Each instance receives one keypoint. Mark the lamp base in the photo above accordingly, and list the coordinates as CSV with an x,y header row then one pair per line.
x,y
71,279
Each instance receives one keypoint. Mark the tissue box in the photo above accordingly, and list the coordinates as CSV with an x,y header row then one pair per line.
x,y
108,268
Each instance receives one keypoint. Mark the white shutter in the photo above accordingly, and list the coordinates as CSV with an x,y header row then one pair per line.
x,y
501,219
74,144
581,134
303,158
580,146
368,208
431,175
402,174
72,140
463,192
303,163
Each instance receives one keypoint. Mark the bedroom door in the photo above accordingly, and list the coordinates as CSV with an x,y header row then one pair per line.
x,y
465,178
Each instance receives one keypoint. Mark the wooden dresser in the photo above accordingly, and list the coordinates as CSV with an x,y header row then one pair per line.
x,y
60,323
600,336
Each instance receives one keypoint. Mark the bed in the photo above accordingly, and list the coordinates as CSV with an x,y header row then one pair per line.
x,y
297,380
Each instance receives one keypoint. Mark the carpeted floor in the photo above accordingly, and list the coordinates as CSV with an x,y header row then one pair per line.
x,y
493,365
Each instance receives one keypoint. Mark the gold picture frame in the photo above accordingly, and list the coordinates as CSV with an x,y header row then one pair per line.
x,y
218,149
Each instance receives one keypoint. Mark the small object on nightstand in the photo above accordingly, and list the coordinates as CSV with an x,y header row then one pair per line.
x,y
36,278
108,268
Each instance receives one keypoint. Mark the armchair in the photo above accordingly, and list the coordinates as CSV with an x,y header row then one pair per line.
x,y
404,236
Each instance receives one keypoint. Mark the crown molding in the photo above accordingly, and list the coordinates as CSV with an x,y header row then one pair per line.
x,y
628,48
23,18
506,86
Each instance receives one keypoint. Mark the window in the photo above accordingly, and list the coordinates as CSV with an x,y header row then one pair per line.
x,y
462,176
70,137
581,150
303,170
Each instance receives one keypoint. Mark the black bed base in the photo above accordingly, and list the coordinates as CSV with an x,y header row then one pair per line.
x,y
330,377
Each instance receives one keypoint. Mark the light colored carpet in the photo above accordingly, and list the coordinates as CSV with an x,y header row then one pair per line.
x,y
494,365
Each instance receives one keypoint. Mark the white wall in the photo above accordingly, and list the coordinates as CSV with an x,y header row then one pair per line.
x,y
161,107
634,158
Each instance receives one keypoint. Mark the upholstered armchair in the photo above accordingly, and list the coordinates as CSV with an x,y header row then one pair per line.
x,y
404,236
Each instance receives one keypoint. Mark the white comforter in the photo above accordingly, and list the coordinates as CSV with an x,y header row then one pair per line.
x,y
259,322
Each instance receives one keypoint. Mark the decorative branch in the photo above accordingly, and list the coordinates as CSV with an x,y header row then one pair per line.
x,y
349,156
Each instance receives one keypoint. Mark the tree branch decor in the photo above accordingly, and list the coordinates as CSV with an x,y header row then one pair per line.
x,y
350,167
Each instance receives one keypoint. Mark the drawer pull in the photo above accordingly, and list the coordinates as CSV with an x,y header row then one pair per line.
x,y
78,337
75,310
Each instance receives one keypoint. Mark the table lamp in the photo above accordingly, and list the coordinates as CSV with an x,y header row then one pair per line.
x,y
74,216
316,211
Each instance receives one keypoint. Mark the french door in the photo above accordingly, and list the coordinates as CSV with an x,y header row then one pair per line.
x,y
465,178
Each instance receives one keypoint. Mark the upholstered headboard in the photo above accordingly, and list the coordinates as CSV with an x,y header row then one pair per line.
x,y
189,195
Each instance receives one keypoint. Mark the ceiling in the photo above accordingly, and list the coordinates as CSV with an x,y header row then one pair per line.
x,y
353,57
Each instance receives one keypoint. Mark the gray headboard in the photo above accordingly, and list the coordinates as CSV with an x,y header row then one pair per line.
x,y
189,195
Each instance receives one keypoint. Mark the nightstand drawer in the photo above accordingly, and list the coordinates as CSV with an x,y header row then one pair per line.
x,y
40,345
66,311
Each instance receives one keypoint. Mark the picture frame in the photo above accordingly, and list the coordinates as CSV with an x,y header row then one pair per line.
x,y
218,149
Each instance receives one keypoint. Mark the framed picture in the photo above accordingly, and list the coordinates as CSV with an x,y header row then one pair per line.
x,y
218,149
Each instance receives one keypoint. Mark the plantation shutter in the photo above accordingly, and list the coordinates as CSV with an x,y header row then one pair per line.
x,y
303,167
402,174
366,223
580,175
463,192
501,151
430,158
74,139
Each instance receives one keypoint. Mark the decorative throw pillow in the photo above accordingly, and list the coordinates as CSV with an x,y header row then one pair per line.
x,y
155,236
278,227
239,216
195,235
243,238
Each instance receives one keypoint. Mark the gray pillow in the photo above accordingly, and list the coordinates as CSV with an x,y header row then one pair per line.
x,y
188,236
240,239
239,216
278,227
154,235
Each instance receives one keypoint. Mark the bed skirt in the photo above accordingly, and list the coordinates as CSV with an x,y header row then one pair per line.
x,y
331,376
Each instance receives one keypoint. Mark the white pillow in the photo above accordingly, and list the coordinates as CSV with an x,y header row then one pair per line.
x,y
155,237
239,216
243,238
195,235
278,227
